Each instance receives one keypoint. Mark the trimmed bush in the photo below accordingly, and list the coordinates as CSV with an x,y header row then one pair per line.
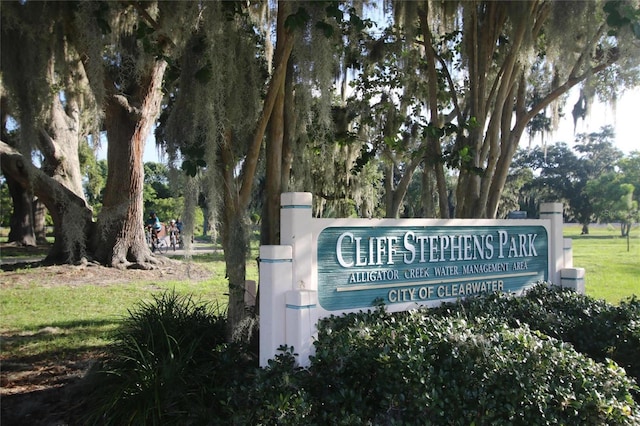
x,y
423,369
595,328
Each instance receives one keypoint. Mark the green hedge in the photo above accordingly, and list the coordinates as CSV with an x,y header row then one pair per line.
x,y
425,369
594,327
545,358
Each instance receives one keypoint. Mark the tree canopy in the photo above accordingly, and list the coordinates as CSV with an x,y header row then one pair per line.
x,y
250,99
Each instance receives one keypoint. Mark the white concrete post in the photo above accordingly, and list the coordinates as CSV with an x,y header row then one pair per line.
x,y
301,320
573,278
276,274
295,221
553,213
301,313
568,253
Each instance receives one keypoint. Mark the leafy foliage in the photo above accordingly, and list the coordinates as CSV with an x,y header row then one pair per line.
x,y
545,358
565,172
401,368
594,327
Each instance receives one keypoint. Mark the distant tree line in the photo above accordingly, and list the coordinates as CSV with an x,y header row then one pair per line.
x,y
595,180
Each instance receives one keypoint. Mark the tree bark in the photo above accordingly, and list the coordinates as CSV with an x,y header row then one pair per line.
x,y
428,192
71,217
290,126
59,141
234,241
120,240
39,221
237,195
21,230
273,175
434,149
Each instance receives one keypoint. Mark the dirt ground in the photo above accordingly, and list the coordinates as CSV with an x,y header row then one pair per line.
x,y
45,392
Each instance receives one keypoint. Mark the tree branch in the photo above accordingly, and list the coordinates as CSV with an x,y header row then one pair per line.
x,y
124,103
251,160
33,179
561,90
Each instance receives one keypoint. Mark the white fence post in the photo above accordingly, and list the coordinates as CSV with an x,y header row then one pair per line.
x,y
568,253
295,221
301,323
553,213
276,275
301,299
573,278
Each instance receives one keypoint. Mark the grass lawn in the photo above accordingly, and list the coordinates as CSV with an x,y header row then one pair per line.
x,y
48,321
612,272
39,320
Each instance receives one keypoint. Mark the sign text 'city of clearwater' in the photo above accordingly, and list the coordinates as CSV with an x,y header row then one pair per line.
x,y
358,266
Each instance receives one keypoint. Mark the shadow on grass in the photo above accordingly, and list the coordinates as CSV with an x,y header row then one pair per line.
x,y
600,237
630,268
216,256
61,340
43,371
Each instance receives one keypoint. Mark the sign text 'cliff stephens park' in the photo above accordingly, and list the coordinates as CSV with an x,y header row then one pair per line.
x,y
359,266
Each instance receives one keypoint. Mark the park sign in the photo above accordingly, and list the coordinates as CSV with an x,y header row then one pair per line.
x,y
358,267
327,267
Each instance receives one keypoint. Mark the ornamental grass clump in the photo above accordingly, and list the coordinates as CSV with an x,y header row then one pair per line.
x,y
171,364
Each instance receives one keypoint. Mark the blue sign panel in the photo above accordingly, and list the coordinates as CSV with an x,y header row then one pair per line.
x,y
358,266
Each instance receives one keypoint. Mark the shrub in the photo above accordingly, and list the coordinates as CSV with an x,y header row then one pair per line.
x,y
423,369
277,396
170,364
594,327
490,360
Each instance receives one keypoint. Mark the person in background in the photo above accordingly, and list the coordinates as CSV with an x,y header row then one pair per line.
x,y
154,225
173,228
179,225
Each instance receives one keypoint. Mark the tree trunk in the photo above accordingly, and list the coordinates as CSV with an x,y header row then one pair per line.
x,y
290,126
120,240
273,175
625,228
39,221
68,209
428,192
234,241
238,194
59,141
59,144
275,139
388,187
434,150
235,244
21,230
72,219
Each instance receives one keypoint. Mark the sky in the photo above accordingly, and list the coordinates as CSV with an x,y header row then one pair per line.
x,y
625,120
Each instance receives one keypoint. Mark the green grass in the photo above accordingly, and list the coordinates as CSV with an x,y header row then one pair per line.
x,y
612,272
40,322
46,322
